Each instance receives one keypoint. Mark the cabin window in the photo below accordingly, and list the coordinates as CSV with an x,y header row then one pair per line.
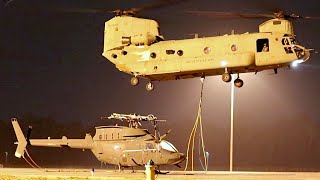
x,y
112,136
153,55
106,136
100,137
234,47
114,56
149,146
207,50
263,45
118,136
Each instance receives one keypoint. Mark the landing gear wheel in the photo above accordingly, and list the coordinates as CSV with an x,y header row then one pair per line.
x,y
149,86
226,77
134,81
238,83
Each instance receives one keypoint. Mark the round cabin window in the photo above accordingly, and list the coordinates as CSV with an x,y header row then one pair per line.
x,y
153,55
234,47
207,50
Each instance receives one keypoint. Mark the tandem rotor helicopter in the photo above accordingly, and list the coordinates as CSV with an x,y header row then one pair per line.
x,y
135,46
124,146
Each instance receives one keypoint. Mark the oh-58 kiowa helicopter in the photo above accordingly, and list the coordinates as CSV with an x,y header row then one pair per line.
x,y
136,47
118,145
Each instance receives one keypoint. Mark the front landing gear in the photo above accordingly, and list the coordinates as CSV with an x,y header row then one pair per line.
x,y
238,83
149,86
226,77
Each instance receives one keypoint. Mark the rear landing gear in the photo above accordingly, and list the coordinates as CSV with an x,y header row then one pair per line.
x,y
134,81
149,86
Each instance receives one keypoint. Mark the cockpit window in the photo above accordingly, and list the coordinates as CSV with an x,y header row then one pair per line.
x,y
287,43
167,146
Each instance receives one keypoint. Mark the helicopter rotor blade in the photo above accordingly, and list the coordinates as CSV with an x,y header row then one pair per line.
x,y
159,4
216,14
310,17
131,11
278,13
164,135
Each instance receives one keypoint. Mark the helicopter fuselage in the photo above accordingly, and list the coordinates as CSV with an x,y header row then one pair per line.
x,y
274,46
117,145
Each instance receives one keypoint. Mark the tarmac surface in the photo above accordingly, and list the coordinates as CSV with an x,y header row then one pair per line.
x,y
59,174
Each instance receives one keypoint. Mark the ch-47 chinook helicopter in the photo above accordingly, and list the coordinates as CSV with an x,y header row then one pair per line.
x,y
118,145
136,47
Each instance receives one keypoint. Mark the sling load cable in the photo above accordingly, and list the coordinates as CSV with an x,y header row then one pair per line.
x,y
32,159
204,166
193,133
28,162
33,164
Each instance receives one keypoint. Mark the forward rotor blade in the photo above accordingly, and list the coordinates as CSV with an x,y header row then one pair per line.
x,y
310,17
231,15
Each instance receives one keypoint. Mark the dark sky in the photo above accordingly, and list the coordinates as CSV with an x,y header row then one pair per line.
x,y
51,65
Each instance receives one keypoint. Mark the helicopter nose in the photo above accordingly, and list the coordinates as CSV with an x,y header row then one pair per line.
x,y
306,55
182,157
177,158
302,53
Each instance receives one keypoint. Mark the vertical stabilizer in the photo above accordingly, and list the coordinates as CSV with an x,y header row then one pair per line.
x,y
22,142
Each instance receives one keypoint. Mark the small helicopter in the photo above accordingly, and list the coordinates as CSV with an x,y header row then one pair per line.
x,y
118,145
136,47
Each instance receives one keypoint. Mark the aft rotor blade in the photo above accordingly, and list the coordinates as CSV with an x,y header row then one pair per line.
x,y
231,14
36,10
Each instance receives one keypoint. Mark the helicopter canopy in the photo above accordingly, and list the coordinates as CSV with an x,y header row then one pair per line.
x,y
168,146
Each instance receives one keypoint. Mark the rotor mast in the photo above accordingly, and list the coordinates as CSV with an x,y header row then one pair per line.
x,y
134,120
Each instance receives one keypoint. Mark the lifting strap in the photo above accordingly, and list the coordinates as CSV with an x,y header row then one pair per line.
x,y
32,163
191,142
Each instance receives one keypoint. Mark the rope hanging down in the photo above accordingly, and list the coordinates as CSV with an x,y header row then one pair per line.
x,y
191,142
32,163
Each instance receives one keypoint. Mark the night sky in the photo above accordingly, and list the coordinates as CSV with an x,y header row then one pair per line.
x,y
51,66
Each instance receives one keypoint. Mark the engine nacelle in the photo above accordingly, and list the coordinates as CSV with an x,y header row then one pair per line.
x,y
277,26
122,31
